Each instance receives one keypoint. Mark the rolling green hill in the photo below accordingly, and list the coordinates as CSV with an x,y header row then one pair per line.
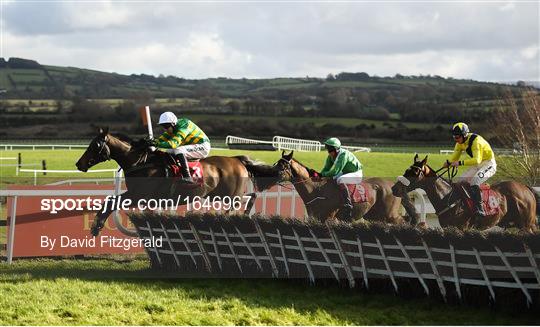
x,y
55,99
27,79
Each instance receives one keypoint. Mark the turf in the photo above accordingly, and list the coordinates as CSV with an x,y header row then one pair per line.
x,y
375,164
109,292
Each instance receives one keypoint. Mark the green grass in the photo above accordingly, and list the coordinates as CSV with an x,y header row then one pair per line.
x,y
109,292
375,164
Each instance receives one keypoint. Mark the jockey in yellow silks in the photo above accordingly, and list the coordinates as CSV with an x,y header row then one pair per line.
x,y
481,163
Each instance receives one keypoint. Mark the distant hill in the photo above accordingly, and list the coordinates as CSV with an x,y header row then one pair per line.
x,y
24,78
60,101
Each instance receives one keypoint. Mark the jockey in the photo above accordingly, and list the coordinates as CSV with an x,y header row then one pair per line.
x,y
481,164
184,139
343,166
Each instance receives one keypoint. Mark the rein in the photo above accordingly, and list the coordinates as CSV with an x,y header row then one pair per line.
x,y
299,181
451,173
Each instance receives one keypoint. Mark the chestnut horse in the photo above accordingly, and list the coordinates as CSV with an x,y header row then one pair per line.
x,y
518,203
323,200
147,175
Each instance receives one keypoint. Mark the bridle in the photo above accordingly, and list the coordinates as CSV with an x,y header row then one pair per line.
x,y
299,181
104,153
421,173
289,167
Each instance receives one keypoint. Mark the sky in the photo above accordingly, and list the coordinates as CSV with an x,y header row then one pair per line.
x,y
481,40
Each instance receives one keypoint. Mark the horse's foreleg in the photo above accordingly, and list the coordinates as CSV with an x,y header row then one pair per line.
x,y
406,202
108,208
250,203
99,221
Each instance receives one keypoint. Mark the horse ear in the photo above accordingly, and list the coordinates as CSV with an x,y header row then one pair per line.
x,y
415,158
282,153
424,161
288,156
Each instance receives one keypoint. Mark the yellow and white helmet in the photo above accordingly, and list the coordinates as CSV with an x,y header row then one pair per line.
x,y
460,129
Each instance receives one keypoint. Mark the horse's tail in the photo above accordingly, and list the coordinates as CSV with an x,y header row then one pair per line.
x,y
537,197
263,176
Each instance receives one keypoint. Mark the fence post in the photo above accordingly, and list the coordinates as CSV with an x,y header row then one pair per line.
x,y
19,163
11,242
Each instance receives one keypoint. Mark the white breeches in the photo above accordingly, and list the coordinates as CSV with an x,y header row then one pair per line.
x,y
192,151
350,178
479,174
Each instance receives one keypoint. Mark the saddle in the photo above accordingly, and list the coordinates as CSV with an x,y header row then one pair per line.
x,y
358,193
490,201
174,167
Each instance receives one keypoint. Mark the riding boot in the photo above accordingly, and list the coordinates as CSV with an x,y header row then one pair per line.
x,y
186,176
476,196
346,210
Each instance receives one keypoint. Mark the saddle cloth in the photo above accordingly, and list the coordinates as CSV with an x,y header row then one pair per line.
x,y
358,192
490,201
195,170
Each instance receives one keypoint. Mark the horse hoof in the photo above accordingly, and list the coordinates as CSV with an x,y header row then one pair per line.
x,y
94,231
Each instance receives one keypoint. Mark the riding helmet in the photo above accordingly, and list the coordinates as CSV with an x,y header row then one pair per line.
x,y
167,118
460,129
333,142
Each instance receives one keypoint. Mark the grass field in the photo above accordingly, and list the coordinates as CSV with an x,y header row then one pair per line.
x,y
109,292
106,291
375,164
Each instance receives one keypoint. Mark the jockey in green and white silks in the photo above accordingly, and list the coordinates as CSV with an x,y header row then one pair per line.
x,y
345,168
184,139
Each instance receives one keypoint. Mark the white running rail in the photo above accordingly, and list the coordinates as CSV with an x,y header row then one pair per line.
x,y
43,146
287,143
356,148
241,140
36,171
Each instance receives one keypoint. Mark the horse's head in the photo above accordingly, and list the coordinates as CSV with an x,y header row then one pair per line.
x,y
412,177
284,167
289,169
98,151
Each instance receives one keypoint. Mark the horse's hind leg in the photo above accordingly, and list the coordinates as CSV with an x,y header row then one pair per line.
x,y
522,213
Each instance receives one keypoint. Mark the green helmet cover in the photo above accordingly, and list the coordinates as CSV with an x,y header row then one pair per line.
x,y
333,141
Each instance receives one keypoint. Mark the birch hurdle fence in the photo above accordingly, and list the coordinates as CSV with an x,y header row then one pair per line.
x,y
448,264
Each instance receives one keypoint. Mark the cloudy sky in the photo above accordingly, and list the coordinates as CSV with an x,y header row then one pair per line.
x,y
493,41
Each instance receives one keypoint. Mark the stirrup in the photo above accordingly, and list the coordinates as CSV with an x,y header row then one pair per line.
x,y
187,181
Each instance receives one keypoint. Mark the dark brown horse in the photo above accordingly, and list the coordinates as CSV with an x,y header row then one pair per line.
x,y
518,203
147,176
323,201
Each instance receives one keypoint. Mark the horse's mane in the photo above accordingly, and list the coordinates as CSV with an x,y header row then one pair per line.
x,y
140,144
309,170
264,176
123,137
